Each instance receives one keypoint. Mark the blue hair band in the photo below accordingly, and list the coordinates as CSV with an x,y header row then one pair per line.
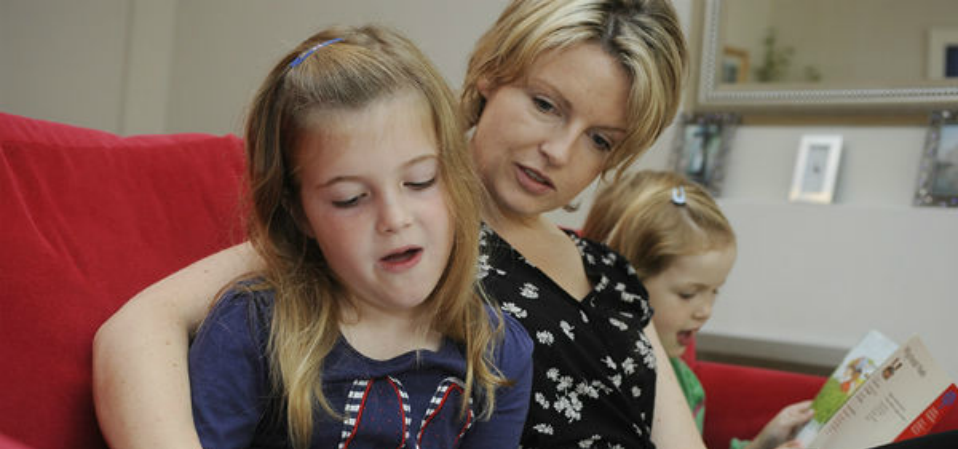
x,y
302,56
678,196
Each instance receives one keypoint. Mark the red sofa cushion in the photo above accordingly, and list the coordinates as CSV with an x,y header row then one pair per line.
x,y
89,219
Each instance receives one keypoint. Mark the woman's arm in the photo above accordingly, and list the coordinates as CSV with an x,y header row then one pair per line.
x,y
140,381
673,427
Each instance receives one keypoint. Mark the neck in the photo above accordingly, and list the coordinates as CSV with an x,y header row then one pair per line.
x,y
505,223
381,335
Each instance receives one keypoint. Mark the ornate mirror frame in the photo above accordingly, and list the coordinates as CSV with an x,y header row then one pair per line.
x,y
710,95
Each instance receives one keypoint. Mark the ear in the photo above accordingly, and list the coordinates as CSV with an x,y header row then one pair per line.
x,y
484,87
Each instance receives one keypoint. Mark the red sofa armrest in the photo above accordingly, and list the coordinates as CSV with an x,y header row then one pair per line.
x,y
740,400
8,443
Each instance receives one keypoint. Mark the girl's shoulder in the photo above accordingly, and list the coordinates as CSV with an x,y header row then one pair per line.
x,y
514,352
246,307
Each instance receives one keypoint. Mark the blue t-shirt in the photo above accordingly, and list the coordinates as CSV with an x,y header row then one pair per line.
x,y
412,400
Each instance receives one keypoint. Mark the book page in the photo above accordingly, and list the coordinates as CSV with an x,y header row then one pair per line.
x,y
859,363
888,402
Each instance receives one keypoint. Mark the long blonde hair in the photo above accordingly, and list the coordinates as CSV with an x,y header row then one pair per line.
x,y
638,217
364,65
643,35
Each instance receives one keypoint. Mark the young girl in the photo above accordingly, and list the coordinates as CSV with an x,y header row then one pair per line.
x,y
363,329
682,247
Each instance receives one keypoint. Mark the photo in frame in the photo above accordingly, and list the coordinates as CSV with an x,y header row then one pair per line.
x,y
942,53
816,169
938,171
701,148
735,65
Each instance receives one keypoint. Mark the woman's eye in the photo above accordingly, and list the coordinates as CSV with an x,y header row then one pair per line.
x,y
543,105
422,185
601,142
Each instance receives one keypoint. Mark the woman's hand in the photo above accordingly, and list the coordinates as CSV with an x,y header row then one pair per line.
x,y
780,432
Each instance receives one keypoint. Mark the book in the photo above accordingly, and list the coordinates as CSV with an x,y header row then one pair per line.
x,y
880,393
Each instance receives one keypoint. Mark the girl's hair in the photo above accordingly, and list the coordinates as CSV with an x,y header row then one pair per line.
x,y
352,68
652,217
643,35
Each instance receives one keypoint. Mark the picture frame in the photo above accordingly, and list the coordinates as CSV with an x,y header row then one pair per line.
x,y
816,169
942,53
735,65
938,171
701,148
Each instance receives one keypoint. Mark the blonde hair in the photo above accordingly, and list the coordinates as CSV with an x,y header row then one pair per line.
x,y
366,65
637,217
643,35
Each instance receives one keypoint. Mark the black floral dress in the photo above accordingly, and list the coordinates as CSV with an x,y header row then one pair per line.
x,y
594,370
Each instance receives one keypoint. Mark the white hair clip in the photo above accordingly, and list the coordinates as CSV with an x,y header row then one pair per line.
x,y
678,196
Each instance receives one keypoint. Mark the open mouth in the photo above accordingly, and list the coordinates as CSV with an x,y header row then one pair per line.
x,y
402,256
534,181
685,337
535,176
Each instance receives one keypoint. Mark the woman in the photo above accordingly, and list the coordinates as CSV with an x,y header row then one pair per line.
x,y
558,93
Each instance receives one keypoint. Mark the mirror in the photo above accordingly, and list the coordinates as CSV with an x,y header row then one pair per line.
x,y
827,55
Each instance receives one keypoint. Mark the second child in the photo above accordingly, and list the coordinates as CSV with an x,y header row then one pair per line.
x,y
683,248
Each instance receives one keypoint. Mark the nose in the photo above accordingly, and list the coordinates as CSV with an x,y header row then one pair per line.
x,y
394,214
704,310
559,146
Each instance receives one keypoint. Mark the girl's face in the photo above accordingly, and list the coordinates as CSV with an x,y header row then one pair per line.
x,y
373,199
541,140
683,294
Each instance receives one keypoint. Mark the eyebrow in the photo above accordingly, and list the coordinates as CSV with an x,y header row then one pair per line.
x,y
410,163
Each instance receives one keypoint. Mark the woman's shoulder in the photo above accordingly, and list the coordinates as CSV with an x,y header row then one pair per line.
x,y
599,255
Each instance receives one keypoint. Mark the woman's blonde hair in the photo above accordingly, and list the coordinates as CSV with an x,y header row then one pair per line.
x,y
652,217
351,68
643,35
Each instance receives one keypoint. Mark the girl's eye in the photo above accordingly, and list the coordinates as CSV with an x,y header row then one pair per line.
x,y
686,296
543,105
601,142
422,185
345,204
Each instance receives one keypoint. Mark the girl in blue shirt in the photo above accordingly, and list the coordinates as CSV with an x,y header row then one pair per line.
x,y
364,328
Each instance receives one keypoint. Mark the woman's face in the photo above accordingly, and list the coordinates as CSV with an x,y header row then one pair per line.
x,y
544,138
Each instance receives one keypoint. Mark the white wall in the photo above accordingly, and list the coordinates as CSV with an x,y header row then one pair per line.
x,y
818,275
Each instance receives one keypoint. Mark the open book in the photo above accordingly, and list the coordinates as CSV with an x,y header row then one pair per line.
x,y
880,393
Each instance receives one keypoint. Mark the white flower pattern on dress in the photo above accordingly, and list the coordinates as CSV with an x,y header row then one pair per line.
x,y
529,291
619,324
545,337
567,328
512,309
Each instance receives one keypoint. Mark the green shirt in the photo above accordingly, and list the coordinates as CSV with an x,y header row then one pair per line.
x,y
695,395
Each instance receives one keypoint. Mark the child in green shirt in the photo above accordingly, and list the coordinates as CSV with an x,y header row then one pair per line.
x,y
682,247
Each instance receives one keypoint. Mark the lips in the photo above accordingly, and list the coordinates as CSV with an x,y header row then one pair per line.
x,y
533,180
401,259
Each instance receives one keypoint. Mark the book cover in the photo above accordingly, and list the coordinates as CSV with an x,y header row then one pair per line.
x,y
903,398
859,363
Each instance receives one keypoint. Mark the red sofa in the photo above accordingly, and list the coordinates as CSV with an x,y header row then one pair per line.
x,y
90,218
